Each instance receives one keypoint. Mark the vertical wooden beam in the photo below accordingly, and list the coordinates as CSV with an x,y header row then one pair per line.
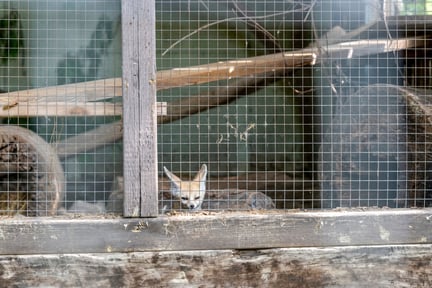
x,y
148,108
139,108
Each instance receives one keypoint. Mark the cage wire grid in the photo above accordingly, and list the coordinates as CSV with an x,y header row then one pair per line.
x,y
337,133
58,62
344,121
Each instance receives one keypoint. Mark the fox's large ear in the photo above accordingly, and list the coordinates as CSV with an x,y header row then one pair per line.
x,y
201,176
174,179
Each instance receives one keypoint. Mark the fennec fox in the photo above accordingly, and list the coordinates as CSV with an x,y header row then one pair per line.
x,y
190,193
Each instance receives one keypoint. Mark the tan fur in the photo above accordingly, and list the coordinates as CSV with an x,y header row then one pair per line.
x,y
190,193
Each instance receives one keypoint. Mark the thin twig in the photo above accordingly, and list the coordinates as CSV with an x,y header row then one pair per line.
x,y
259,29
225,20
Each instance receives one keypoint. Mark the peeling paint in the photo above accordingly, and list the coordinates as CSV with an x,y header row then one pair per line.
x,y
384,234
423,239
345,239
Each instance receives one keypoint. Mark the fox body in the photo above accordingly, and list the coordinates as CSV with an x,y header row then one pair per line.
x,y
190,193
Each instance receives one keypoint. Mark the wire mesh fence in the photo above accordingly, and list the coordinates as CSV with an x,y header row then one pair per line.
x,y
275,105
339,131
51,54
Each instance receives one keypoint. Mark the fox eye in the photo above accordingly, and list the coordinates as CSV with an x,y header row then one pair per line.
x,y
184,198
196,198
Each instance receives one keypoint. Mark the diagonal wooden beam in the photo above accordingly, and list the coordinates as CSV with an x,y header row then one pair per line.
x,y
105,89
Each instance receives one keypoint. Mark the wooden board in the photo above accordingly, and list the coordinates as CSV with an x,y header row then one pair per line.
x,y
62,109
364,266
54,109
224,230
139,90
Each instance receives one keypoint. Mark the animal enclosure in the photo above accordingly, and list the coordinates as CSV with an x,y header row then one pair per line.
x,y
190,142
290,104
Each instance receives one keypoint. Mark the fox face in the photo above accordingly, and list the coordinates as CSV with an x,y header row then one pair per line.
x,y
190,193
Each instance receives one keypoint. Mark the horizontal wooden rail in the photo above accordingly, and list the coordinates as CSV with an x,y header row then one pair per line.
x,y
337,267
198,231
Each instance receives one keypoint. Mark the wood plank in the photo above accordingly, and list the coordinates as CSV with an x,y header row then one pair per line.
x,y
139,129
148,116
254,230
35,109
89,91
364,266
131,108
62,109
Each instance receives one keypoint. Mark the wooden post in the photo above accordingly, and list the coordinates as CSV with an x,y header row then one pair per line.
x,y
139,108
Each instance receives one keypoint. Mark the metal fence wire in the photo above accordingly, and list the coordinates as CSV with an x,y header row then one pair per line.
x,y
342,130
277,104
51,54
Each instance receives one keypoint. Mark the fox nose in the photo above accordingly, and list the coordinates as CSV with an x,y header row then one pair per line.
x,y
192,206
